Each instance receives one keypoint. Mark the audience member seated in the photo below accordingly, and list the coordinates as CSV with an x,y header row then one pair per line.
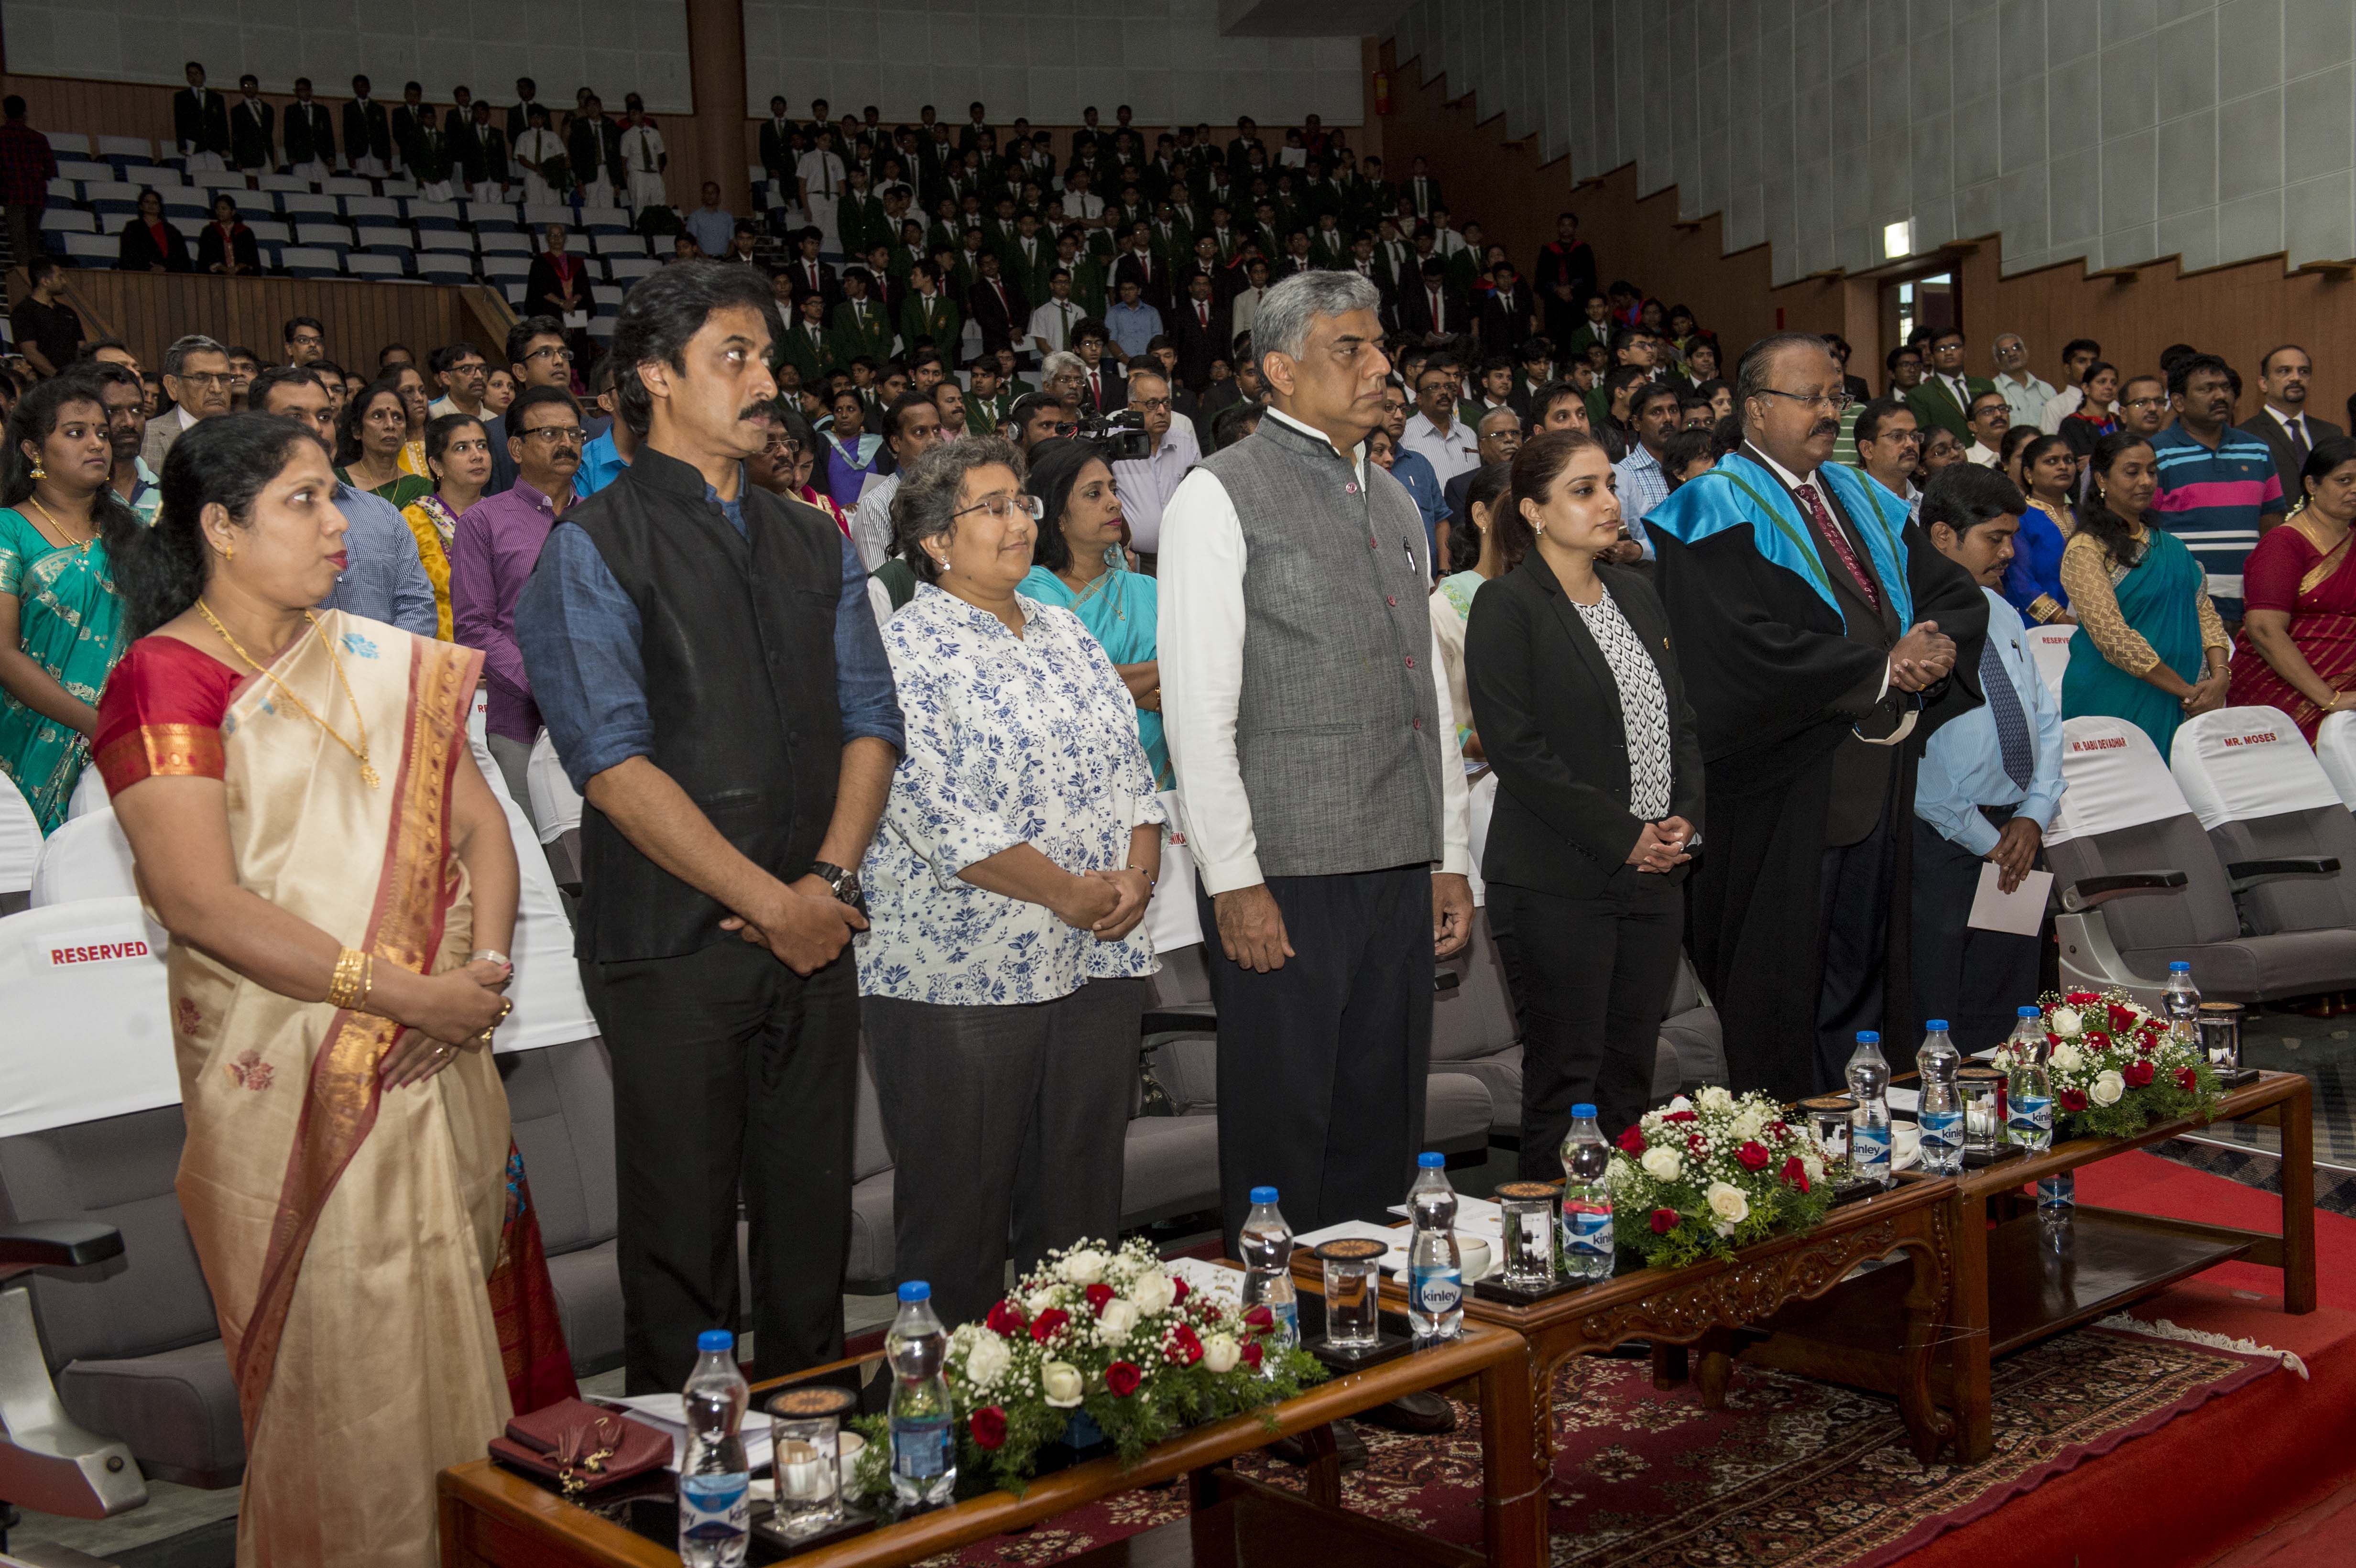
x,y
2032,582
2297,647
226,245
374,428
458,458
152,243
1478,551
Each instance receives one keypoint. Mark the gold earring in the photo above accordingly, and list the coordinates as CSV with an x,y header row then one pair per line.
x,y
39,472
229,552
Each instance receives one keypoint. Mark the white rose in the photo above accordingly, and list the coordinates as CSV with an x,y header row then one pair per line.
x,y
986,1361
1060,1382
1220,1354
1084,1267
1728,1203
1038,1301
2066,1022
2067,1059
1714,1098
2106,1088
1814,1166
1115,1322
1153,1292
1662,1163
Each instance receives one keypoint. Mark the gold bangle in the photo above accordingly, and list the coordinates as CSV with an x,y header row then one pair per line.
x,y
344,986
368,981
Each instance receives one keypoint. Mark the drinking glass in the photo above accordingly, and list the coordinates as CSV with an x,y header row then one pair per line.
x,y
1982,1089
1529,1213
807,1425
1828,1117
2220,1034
1353,1279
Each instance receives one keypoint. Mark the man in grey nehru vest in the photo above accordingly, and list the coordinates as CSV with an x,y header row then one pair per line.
x,y
1319,777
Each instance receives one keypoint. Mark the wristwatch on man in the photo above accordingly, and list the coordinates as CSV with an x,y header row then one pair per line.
x,y
845,884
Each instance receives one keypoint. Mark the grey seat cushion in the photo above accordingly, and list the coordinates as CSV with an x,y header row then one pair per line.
x,y
2296,903
2257,968
1693,1052
1183,984
2200,913
589,1303
871,1250
1457,1111
561,1104
1187,1068
1474,1019
1169,1167
175,1408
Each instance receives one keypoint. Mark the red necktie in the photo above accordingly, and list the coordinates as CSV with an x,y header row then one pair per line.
x,y
813,276
1203,312
1835,538
1001,290
1435,311
1095,391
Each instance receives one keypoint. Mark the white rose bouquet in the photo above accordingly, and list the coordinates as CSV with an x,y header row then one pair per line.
x,y
1102,1335
1698,1181
2116,1069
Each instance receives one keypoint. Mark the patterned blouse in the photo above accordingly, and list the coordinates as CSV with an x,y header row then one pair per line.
x,y
1644,706
1009,740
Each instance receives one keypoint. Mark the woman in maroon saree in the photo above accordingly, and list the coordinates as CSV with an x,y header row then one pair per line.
x,y
2296,649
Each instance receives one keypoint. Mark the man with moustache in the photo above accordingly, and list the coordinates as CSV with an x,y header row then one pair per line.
x,y
1828,638
381,578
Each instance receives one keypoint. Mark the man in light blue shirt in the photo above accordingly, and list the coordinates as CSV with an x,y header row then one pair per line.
x,y
1643,483
1132,323
1989,784
1411,468
382,577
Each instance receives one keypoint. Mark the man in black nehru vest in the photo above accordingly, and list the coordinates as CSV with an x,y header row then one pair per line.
x,y
709,672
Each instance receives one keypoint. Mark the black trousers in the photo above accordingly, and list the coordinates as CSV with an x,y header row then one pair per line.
x,y
1977,980
1323,1062
1590,979
732,1074
1854,899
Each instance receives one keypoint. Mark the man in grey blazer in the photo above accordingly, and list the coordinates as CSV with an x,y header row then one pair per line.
x,y
2282,421
195,378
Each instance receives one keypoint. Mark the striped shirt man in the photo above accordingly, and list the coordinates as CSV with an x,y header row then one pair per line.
x,y
2216,500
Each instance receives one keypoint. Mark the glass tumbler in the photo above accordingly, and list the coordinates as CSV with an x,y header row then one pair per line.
x,y
807,1426
1354,1268
1983,1092
2220,1029
1828,1117
1527,1210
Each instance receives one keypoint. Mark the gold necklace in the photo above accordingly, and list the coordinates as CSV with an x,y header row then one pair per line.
x,y
368,772
62,528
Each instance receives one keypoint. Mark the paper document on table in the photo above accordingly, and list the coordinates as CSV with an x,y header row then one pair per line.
x,y
1904,1099
1474,1217
2021,912
1221,1284
667,1413
1393,1237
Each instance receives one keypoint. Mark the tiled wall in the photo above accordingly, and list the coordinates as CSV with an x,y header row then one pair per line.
x,y
2114,132
1044,60
613,46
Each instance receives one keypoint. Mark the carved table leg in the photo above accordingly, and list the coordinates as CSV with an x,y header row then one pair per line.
x,y
1927,1299
1668,1366
1715,1368
1967,1325
2298,1200
1323,1467
1515,1461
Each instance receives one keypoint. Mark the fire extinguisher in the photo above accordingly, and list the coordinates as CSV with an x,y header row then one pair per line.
x,y
1382,93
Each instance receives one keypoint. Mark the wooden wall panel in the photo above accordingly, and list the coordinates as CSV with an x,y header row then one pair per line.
x,y
148,310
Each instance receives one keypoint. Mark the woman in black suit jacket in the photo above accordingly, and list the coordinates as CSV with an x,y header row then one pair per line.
x,y
226,245
151,244
1578,704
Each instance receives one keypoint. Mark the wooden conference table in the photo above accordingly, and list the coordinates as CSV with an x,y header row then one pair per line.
x,y
493,1517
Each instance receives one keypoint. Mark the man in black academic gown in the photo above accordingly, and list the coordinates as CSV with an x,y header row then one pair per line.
x,y
1827,639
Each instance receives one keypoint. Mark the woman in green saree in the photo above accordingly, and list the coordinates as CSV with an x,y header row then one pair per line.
x,y
60,620
1079,564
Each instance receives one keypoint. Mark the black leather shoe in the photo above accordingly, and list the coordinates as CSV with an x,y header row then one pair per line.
x,y
1424,1414
1348,1447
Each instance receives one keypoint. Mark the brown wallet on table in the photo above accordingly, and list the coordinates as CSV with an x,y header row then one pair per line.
x,y
581,1445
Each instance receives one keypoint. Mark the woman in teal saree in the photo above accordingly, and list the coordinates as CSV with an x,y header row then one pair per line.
x,y
2151,649
1078,563
60,619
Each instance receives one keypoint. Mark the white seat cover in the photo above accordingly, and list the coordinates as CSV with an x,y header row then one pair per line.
x,y
2115,778
2241,763
89,1034
1171,919
2049,647
2335,750
555,804
89,794
1481,800
549,1007
87,858
20,838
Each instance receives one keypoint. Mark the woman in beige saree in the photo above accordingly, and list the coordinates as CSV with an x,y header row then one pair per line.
x,y
340,885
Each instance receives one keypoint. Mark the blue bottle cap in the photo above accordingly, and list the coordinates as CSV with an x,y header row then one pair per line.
x,y
1934,1026
1582,1112
1263,1195
2032,1012
1868,1037
915,1290
1430,1161
2179,964
715,1339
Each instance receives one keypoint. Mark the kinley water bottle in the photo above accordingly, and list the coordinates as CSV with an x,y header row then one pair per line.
x,y
1266,1241
715,1482
2182,1006
1940,1111
1868,1085
2027,1088
923,1459
1586,1199
1435,1268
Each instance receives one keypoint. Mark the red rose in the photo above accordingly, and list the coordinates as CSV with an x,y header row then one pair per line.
x,y
1007,1319
1795,1174
2081,998
2188,1079
2051,1039
987,1426
1251,1354
1049,1322
1777,1130
1258,1317
1752,1155
1184,1349
1663,1222
1694,1143
1097,1295
1210,1313
1678,1117
1178,1291
1121,1379
2097,1039
1632,1142
2137,1072
2122,1019
2073,1100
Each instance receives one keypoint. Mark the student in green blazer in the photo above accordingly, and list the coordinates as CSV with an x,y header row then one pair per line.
x,y
808,346
987,399
859,220
1030,258
860,325
928,313
1945,394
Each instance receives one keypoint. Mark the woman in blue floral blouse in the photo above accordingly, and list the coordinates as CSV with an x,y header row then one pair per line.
x,y
1002,972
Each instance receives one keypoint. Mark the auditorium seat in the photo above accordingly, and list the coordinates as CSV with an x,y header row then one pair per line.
x,y
561,1103
377,265
103,197
539,214
556,808
371,208
348,185
297,205
305,262
65,189
87,858
2140,885
628,270
282,183
445,267
502,242
130,149
20,848
84,171
2288,843
2335,749
66,143
449,240
2050,647
432,215
90,250
385,240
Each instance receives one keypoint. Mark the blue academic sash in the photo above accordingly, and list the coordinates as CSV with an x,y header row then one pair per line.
x,y
1740,493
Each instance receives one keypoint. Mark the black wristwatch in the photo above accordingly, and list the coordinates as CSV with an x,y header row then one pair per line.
x,y
844,883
